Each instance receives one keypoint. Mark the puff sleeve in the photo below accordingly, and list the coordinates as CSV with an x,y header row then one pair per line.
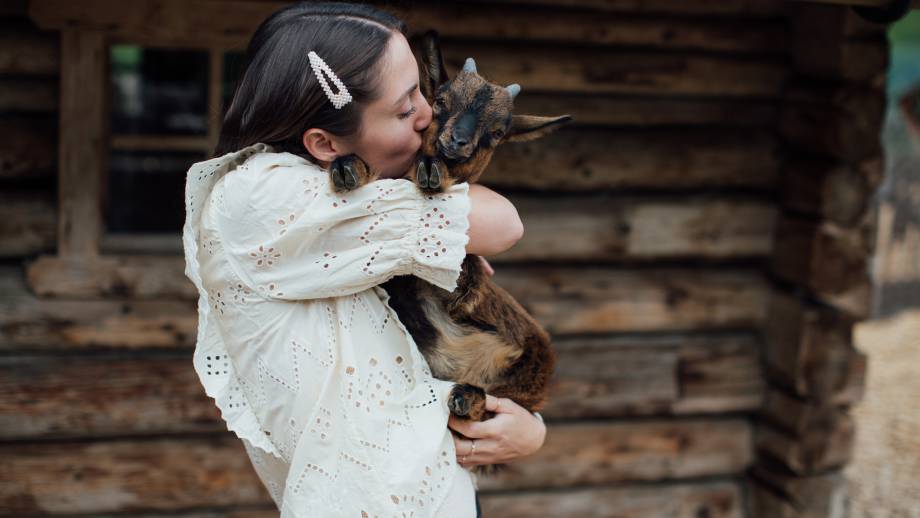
x,y
290,236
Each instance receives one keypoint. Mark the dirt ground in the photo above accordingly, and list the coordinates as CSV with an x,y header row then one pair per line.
x,y
884,474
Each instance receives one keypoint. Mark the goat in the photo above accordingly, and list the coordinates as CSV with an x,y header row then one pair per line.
x,y
478,336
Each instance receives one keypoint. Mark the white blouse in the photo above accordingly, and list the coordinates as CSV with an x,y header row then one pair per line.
x,y
297,344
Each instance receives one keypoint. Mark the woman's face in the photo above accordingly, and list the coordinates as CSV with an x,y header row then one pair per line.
x,y
392,126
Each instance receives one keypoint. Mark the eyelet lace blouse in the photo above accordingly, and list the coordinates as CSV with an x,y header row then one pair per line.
x,y
298,345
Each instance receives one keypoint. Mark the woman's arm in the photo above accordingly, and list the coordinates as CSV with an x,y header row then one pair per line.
x,y
494,222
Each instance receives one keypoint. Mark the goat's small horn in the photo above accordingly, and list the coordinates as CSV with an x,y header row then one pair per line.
x,y
513,89
469,65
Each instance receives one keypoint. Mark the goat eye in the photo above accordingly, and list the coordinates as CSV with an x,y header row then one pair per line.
x,y
498,134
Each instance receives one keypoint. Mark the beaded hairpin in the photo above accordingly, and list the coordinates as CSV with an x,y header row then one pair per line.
x,y
338,99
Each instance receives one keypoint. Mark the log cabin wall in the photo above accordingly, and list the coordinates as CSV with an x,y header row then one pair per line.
x,y
695,244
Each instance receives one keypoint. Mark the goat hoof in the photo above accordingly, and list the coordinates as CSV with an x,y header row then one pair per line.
x,y
344,172
428,174
467,401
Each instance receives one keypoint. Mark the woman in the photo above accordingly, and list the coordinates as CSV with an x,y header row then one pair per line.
x,y
297,344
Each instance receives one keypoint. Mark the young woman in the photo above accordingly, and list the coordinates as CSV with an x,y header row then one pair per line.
x,y
297,344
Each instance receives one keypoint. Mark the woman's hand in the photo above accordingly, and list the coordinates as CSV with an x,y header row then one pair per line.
x,y
486,265
511,434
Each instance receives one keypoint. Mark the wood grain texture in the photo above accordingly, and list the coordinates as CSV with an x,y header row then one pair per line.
x,y
28,147
27,223
111,395
716,499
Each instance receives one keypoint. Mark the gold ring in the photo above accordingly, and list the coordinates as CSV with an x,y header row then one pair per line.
x,y
462,459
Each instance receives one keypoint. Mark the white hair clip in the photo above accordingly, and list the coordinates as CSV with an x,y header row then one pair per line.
x,y
339,99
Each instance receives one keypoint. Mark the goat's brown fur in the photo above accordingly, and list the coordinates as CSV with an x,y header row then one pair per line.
x,y
478,335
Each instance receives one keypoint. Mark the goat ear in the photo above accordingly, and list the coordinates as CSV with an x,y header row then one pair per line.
x,y
532,127
433,72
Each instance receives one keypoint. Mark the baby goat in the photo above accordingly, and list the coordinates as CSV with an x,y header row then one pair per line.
x,y
478,335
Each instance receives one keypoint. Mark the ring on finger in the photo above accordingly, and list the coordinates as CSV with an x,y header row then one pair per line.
x,y
472,446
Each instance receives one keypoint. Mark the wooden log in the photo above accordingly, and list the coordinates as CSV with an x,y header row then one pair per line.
x,y
108,395
732,8
778,495
828,260
30,323
809,350
599,228
612,110
670,374
176,474
175,22
605,453
805,436
128,475
842,121
112,276
28,52
82,147
824,447
596,300
592,159
718,499
566,300
28,95
27,223
833,42
829,190
28,147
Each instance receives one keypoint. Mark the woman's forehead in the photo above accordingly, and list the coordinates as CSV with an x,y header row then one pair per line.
x,y
400,72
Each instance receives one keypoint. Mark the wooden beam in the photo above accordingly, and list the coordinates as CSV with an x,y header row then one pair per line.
x,y
27,223
83,145
27,52
713,499
28,95
28,147
809,350
117,395
836,192
778,495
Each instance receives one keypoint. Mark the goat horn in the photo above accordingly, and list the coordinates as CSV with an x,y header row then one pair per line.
x,y
469,65
513,89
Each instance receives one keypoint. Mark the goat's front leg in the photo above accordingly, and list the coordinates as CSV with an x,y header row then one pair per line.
x,y
349,172
431,174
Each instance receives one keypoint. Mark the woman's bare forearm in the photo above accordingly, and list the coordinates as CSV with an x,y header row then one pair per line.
x,y
495,225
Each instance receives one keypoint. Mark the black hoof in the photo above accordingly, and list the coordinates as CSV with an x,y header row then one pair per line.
x,y
428,173
344,173
462,397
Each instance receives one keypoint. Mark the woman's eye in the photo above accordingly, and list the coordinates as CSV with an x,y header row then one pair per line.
x,y
407,114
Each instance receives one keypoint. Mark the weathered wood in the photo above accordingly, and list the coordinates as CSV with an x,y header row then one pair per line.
x,y
603,228
177,22
734,8
841,121
26,51
128,475
196,472
720,499
802,417
29,323
27,223
604,453
809,350
97,396
28,95
672,374
28,147
832,41
825,446
114,276
592,159
610,110
777,495
82,151
596,300
567,300
828,260
833,191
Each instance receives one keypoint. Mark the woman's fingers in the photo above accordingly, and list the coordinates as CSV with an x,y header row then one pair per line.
x,y
471,429
486,265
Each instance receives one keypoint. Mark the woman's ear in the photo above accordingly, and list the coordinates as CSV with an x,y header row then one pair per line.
x,y
322,145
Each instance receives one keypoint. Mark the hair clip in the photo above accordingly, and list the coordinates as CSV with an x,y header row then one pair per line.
x,y
339,99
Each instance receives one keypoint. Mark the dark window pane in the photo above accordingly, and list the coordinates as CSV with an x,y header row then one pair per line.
x,y
159,92
147,190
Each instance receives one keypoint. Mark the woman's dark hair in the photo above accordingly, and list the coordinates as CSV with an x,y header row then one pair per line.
x,y
278,97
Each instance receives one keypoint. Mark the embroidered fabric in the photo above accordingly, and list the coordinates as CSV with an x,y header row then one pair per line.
x,y
298,345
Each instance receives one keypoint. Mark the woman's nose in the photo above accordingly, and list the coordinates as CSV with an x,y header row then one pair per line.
x,y
424,117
